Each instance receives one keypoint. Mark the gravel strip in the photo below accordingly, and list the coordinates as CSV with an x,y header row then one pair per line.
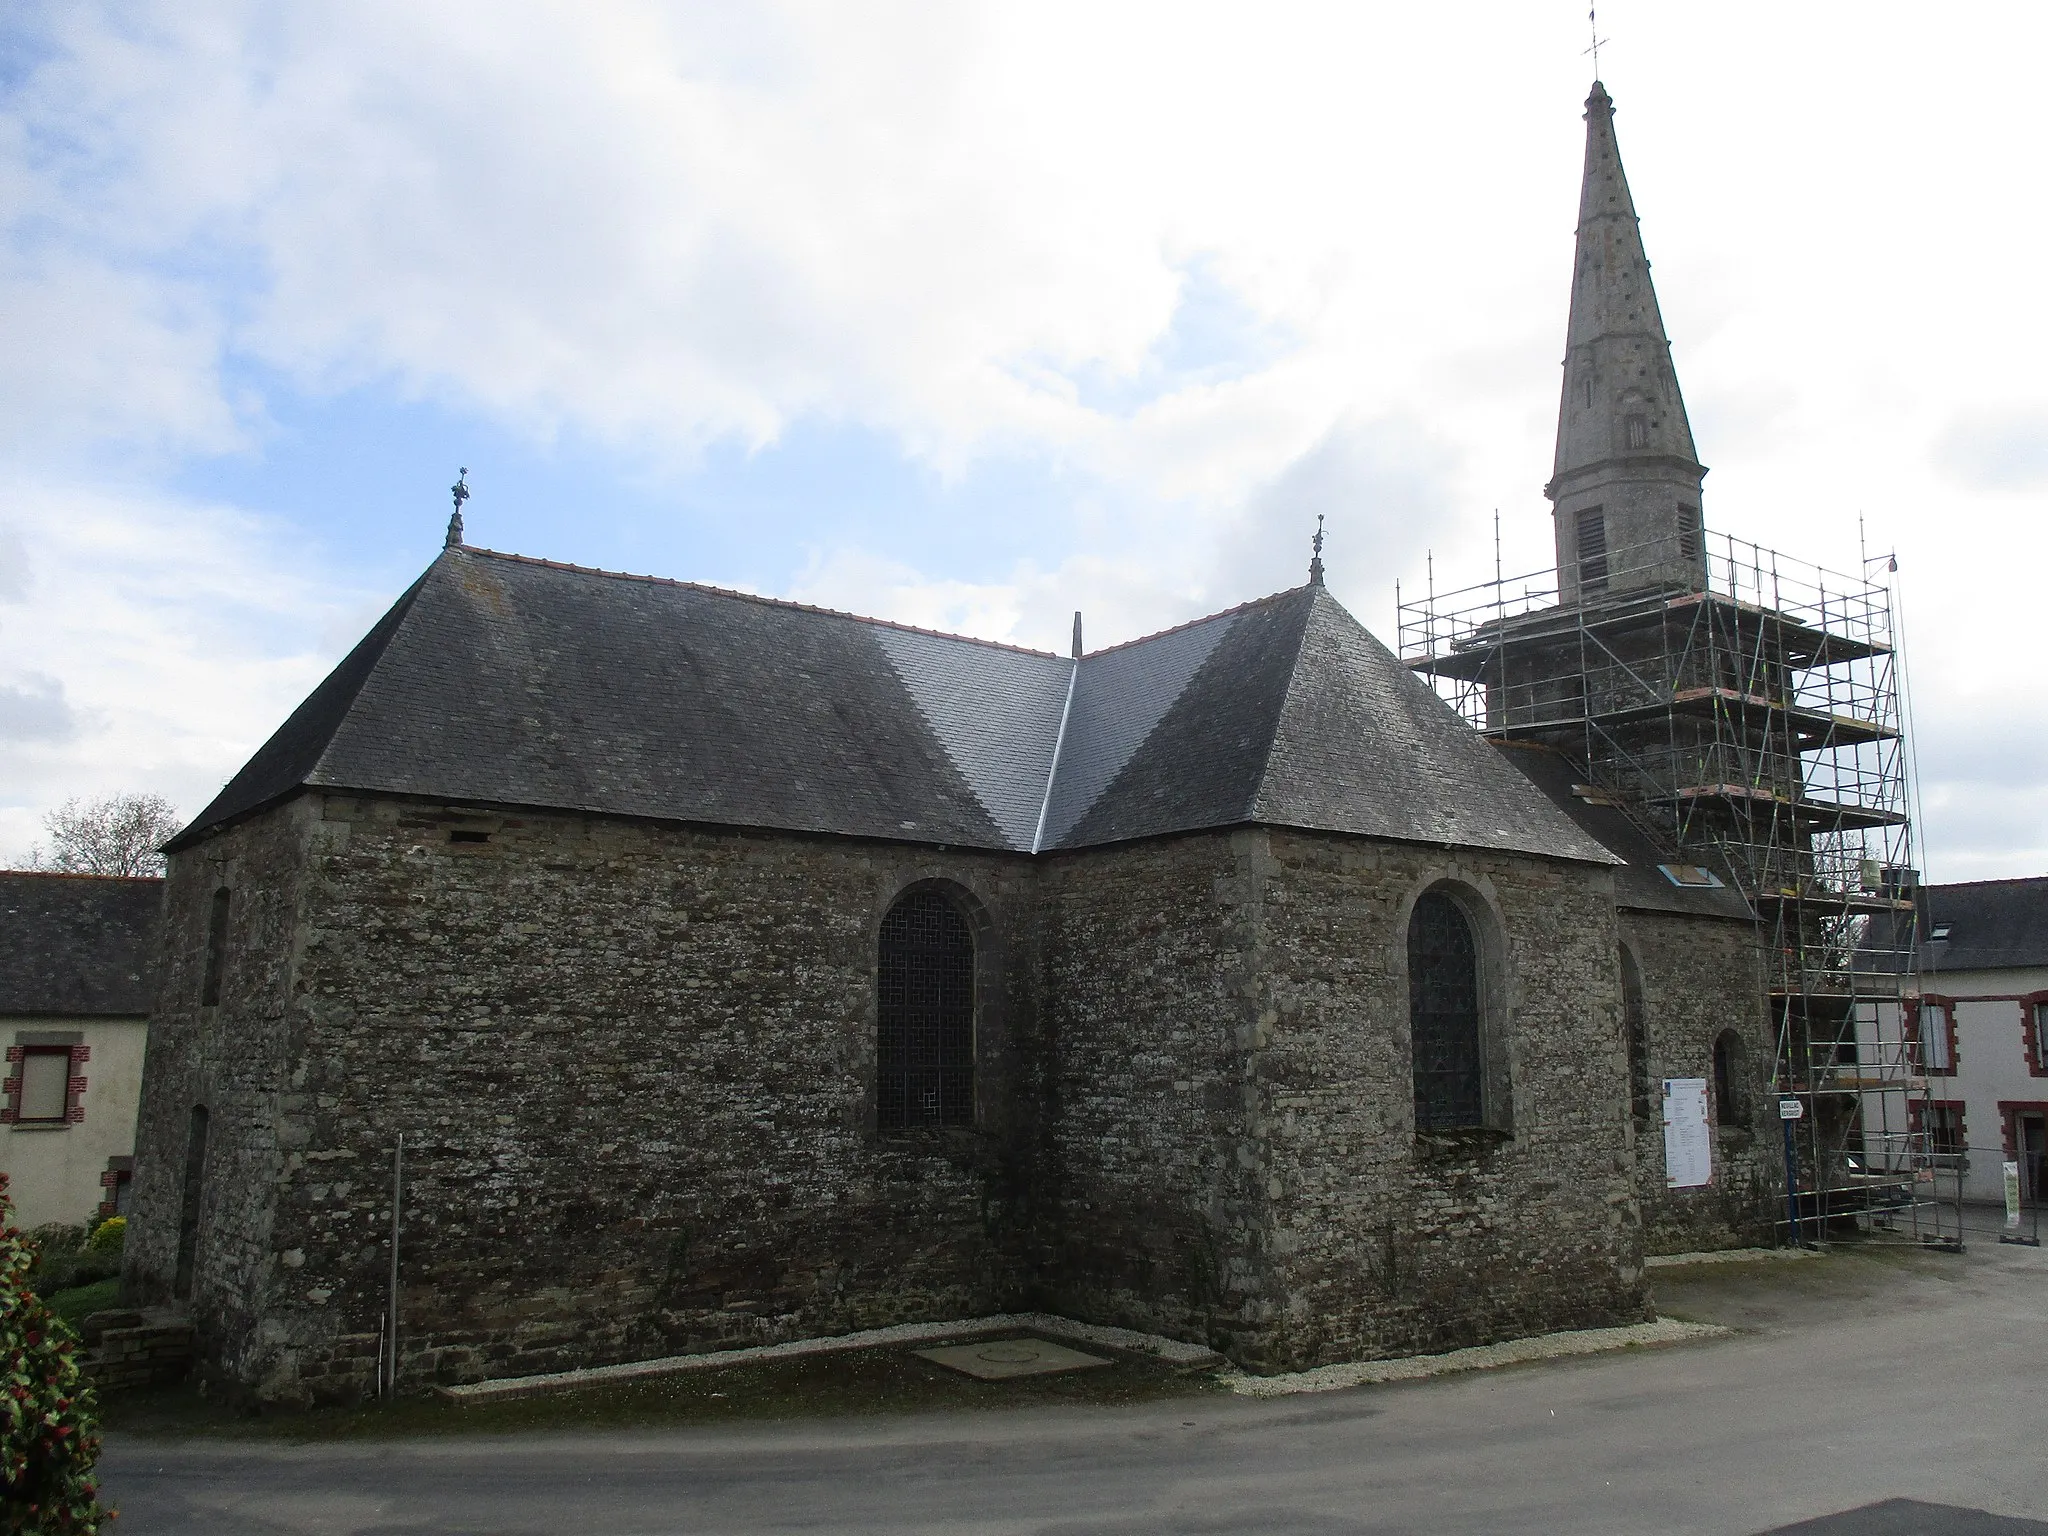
x,y
1548,1346
1171,1350
1727,1256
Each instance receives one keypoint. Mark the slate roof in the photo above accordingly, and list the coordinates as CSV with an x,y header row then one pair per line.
x,y
500,679
1639,885
77,944
1993,925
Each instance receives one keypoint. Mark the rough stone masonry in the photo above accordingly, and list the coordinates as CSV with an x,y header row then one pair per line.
x,y
634,1067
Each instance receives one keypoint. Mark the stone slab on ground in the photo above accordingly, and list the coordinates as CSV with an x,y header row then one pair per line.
x,y
1001,1359
1727,1256
1479,1357
1173,1351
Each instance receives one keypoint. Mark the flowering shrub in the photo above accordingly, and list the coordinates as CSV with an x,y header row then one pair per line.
x,y
48,1438
108,1236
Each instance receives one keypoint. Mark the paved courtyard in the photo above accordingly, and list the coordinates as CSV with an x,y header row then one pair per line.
x,y
1875,1393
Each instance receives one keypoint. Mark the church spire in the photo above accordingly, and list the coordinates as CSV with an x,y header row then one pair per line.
x,y
1626,481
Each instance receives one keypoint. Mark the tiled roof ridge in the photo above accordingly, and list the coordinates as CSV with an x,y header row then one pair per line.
x,y
81,874
1224,613
755,597
1964,885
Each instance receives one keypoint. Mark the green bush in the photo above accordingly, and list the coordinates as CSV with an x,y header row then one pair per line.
x,y
80,1302
49,1438
108,1236
54,1272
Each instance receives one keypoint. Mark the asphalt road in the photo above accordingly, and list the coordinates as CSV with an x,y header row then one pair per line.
x,y
1855,1381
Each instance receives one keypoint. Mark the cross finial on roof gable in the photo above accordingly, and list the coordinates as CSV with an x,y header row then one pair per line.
x,y
460,491
1315,564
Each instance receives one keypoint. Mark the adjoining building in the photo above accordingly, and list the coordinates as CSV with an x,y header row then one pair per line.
x,y
1979,1026
77,975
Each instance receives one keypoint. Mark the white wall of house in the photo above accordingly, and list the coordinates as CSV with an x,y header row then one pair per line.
x,y
1992,1069
54,1171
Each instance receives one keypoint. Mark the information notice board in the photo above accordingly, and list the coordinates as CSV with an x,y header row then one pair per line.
x,y
1688,1139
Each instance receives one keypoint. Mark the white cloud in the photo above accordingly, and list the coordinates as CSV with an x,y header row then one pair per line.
x,y
156,645
987,230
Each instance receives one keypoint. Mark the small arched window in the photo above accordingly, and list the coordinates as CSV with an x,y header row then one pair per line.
x,y
924,1048
189,1203
216,947
1443,1016
1636,1030
1730,1066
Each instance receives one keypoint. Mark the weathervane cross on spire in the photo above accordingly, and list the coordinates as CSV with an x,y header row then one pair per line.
x,y
460,491
1315,564
1593,26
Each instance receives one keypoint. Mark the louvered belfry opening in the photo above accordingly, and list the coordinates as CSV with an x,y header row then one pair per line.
x,y
925,1015
1443,1013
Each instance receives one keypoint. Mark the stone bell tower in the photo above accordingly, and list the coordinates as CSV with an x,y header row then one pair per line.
x,y
1625,489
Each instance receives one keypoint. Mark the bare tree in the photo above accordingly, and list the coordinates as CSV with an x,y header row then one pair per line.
x,y
117,835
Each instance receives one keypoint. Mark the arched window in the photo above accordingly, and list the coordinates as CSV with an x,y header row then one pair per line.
x,y
216,948
1443,1016
924,1051
1636,1029
188,1204
1730,1064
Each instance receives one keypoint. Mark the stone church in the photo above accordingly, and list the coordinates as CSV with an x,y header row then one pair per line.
x,y
737,971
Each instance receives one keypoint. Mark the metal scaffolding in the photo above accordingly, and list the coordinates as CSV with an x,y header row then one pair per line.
x,y
1744,709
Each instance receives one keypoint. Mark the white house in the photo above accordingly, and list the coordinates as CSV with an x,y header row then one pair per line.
x,y
1982,1030
77,969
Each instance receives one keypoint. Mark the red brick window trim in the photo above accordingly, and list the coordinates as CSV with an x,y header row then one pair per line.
x,y
116,1181
2009,1110
2034,1032
1935,1033
1944,1122
43,1087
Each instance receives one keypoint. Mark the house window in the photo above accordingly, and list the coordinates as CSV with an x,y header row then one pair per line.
x,y
924,1055
1943,1123
216,947
1443,1016
2037,1037
45,1085
1592,531
43,1088
1937,1033
1731,1108
118,1182
1638,428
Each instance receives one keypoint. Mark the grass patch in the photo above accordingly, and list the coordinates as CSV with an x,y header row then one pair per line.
x,y
75,1305
853,1383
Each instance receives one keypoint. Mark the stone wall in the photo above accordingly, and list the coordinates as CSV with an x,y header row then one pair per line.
x,y
1700,976
239,1059
125,1351
1155,1215
1231,1104
1386,1242
633,1064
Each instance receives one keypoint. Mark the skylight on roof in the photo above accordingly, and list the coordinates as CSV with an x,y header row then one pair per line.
x,y
1692,875
1940,932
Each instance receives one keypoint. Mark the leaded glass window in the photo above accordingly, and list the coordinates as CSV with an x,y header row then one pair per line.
x,y
925,1015
1443,1015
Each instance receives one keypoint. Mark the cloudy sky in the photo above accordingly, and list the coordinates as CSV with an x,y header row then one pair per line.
x,y
970,315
